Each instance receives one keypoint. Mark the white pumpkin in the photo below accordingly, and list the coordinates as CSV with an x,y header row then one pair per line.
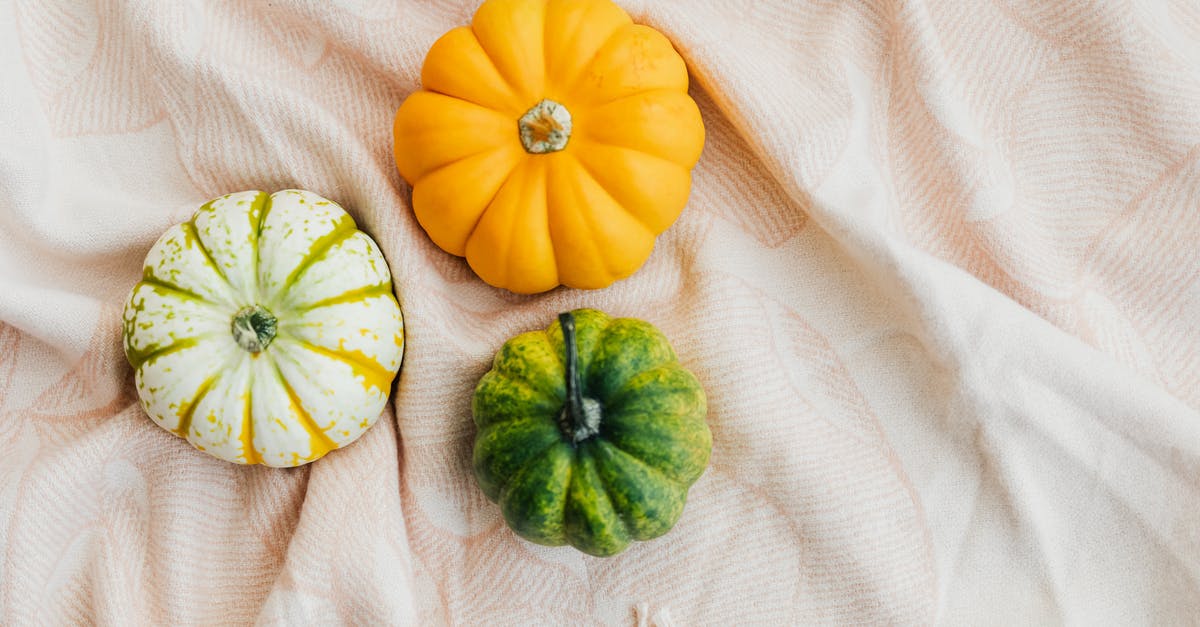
x,y
264,331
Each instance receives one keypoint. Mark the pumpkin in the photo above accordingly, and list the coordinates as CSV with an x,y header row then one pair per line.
x,y
589,433
551,142
264,330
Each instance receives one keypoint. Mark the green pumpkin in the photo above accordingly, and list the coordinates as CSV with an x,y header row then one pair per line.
x,y
590,433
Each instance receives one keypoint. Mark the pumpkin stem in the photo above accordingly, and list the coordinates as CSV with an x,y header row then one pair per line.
x,y
580,417
545,127
253,328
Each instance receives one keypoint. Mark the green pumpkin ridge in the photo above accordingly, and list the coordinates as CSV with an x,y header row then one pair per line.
x,y
499,398
647,501
658,417
679,455
533,502
502,449
591,523
627,348
667,388
531,359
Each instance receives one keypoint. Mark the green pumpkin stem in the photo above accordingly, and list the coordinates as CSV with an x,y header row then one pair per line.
x,y
580,417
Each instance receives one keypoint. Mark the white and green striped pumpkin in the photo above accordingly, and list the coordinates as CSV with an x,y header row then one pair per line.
x,y
264,330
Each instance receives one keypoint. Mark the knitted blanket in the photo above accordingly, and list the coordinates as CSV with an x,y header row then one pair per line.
x,y
938,274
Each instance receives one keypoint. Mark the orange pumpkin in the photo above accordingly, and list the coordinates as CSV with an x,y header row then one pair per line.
x,y
552,141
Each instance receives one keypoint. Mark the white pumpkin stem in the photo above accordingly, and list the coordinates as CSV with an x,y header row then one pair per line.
x,y
253,328
580,417
545,127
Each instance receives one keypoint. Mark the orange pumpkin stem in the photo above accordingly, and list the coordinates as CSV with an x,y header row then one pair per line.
x,y
545,127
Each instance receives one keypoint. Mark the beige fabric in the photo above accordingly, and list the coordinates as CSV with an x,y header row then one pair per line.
x,y
939,275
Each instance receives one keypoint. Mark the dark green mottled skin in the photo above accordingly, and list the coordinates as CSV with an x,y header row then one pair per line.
x,y
627,482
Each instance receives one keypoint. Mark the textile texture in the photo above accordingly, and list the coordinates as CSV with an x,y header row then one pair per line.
x,y
938,275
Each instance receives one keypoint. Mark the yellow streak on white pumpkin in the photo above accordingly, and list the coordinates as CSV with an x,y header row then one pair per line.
x,y
319,443
247,435
372,373
186,411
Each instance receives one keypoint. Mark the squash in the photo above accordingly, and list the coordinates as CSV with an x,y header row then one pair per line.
x,y
589,433
264,330
551,142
